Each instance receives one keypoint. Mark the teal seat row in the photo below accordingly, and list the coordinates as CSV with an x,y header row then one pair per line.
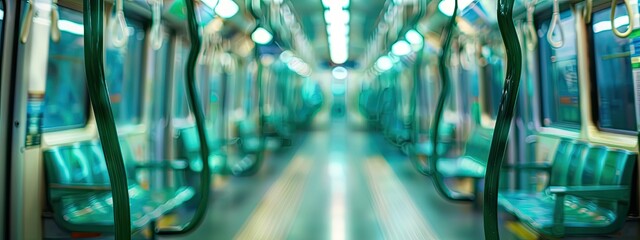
x,y
446,135
79,193
588,191
249,142
473,162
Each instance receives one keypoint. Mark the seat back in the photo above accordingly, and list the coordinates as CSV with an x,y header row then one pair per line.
x,y
82,164
580,154
189,143
592,167
78,164
618,167
478,144
560,163
250,136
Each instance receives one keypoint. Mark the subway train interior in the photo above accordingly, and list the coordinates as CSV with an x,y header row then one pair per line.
x,y
319,119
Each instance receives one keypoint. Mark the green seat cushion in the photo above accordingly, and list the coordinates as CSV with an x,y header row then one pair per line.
x,y
461,167
537,209
251,145
84,211
426,148
81,211
216,162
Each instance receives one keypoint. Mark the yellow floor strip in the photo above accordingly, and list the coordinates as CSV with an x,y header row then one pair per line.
x,y
398,216
274,215
521,231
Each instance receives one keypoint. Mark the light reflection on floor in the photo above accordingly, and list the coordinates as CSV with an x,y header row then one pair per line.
x,y
338,202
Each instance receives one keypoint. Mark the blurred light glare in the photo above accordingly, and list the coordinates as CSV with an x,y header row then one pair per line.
x,y
71,27
337,29
261,36
340,73
414,37
226,8
447,6
384,63
336,16
335,3
401,48
339,57
286,56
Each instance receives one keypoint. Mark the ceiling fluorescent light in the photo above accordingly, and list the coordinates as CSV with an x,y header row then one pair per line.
x,y
261,36
401,48
447,6
340,73
335,3
383,64
71,27
336,16
414,37
226,8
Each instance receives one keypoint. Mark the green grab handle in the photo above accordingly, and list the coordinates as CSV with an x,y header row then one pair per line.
x,y
438,181
198,113
99,95
505,115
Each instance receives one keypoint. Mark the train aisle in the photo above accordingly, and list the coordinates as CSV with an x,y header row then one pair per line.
x,y
336,184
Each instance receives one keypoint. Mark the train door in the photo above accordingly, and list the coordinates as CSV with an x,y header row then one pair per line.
x,y
29,113
6,51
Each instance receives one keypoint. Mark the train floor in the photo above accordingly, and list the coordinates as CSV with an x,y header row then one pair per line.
x,y
342,184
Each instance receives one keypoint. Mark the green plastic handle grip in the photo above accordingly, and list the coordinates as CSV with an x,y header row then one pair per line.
x,y
198,113
445,79
96,85
505,115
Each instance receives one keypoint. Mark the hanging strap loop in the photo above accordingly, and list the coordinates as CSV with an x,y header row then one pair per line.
x,y
118,27
619,34
588,9
530,32
555,23
55,16
156,19
26,25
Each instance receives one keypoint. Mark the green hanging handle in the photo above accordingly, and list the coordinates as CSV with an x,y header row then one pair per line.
x,y
437,117
417,84
196,108
505,115
96,85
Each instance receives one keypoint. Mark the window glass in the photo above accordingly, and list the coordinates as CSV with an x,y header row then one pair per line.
x,y
160,87
494,74
66,104
559,75
181,108
123,73
614,77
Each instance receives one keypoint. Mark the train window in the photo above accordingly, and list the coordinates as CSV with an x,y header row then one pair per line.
x,y
123,74
160,89
181,107
66,103
613,74
494,71
559,76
